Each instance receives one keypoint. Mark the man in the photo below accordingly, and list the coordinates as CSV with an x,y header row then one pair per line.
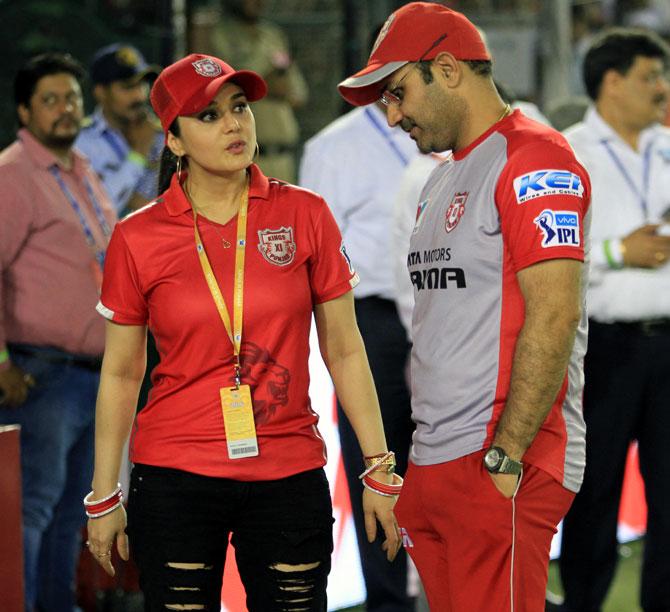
x,y
122,138
336,164
55,222
496,260
627,391
238,34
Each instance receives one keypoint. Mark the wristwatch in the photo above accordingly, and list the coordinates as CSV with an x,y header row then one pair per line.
x,y
496,461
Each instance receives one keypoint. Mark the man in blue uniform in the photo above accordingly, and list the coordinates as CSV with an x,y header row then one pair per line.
x,y
122,138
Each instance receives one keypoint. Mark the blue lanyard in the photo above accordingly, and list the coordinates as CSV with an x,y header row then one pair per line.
x,y
380,128
113,142
104,226
642,196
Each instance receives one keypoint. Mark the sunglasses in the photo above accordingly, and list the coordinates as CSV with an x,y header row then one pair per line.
x,y
389,98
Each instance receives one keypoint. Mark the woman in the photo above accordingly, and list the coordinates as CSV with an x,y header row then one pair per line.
x,y
226,267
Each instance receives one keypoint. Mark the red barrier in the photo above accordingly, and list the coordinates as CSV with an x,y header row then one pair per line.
x,y
11,551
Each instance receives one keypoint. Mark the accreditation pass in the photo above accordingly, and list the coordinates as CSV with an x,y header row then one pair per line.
x,y
238,420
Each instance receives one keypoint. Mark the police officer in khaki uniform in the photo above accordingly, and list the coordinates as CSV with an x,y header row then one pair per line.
x,y
247,42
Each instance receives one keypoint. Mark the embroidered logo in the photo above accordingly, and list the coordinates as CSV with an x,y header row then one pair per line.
x,y
343,252
382,33
455,210
560,228
406,540
207,67
420,209
547,182
277,246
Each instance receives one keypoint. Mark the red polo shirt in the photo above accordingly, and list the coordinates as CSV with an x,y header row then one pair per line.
x,y
294,259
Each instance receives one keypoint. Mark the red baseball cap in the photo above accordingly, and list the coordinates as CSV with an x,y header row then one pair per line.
x,y
406,37
189,85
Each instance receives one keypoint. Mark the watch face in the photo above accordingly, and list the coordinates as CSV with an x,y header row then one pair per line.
x,y
492,458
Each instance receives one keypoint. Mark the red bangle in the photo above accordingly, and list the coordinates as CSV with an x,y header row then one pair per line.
x,y
388,490
95,508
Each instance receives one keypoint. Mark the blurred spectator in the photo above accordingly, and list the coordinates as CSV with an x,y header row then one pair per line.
x,y
627,392
122,138
337,164
238,33
588,18
55,223
650,14
565,113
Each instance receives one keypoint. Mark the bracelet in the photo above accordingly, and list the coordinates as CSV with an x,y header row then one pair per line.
x,y
614,251
95,508
387,490
382,462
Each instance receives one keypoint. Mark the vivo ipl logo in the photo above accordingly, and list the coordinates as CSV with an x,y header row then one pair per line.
x,y
560,228
547,182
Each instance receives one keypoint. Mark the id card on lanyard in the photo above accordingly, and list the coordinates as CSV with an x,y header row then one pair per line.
x,y
238,413
98,265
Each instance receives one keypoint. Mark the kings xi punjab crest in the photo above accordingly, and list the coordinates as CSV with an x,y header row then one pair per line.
x,y
277,246
455,210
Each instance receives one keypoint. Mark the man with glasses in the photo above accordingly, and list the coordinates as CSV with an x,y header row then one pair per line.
x,y
497,263
627,391
55,223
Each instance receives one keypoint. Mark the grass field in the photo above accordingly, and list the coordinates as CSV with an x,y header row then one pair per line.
x,y
624,594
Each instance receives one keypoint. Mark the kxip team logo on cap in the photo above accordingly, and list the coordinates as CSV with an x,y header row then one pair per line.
x,y
547,182
207,68
560,228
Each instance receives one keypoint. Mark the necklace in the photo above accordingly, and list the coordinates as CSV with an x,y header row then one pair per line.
x,y
224,242
506,111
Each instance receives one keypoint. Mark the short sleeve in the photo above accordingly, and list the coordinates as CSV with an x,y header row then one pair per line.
x,y
331,272
542,196
122,300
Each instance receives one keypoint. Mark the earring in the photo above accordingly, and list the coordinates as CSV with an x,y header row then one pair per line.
x,y
179,168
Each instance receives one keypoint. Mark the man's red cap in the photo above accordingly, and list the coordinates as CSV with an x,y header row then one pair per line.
x,y
189,85
406,37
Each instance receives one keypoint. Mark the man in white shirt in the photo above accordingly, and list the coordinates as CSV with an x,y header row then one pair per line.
x,y
356,163
627,392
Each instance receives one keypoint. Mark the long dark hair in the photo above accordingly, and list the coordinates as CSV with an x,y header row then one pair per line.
x,y
168,164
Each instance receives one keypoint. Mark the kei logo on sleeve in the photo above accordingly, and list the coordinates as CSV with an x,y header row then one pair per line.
x,y
541,183
559,227
277,246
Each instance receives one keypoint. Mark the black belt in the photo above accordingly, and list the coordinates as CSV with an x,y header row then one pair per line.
x,y
53,355
648,327
275,149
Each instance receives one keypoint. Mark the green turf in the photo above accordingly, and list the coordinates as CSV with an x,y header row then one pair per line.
x,y
624,594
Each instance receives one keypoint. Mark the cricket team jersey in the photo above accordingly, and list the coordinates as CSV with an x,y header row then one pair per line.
x,y
294,259
515,197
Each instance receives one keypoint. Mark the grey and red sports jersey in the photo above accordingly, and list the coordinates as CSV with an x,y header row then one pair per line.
x,y
515,197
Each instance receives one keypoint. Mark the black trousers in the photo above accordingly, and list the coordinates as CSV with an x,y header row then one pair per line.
x,y
178,527
387,348
626,397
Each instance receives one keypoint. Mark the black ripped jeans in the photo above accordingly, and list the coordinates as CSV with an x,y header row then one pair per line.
x,y
179,524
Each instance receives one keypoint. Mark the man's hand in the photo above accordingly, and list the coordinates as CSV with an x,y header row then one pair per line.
x,y
14,385
505,483
644,248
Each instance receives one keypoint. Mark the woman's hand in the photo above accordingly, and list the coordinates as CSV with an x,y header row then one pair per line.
x,y
103,532
380,508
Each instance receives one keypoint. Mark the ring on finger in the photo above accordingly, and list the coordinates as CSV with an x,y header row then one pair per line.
x,y
660,256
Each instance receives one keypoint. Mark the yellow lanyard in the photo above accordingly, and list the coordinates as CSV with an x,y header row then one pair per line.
x,y
235,334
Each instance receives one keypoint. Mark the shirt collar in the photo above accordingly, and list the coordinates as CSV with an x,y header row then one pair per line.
x,y
98,121
603,131
44,158
177,203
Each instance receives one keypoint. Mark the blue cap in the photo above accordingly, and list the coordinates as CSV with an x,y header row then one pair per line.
x,y
120,62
